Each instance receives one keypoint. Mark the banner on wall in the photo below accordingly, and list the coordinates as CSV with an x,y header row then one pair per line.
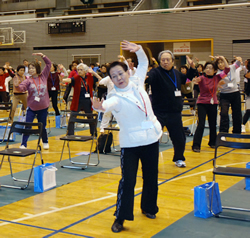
x,y
181,48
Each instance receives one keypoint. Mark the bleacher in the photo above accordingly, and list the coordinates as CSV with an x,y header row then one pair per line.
x,y
42,8
192,3
42,12
99,7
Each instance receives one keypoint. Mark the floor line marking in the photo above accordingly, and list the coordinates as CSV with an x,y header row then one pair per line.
x,y
175,178
178,177
58,209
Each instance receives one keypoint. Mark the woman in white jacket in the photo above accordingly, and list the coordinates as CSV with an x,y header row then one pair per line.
x,y
139,135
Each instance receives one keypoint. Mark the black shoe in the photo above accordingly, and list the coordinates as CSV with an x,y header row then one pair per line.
x,y
148,215
196,150
117,226
212,146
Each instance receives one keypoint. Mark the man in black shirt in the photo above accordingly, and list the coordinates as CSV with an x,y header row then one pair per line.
x,y
167,103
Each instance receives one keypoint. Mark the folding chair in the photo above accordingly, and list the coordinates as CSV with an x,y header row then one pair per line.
x,y
190,102
27,128
81,118
243,101
109,129
235,141
67,111
5,107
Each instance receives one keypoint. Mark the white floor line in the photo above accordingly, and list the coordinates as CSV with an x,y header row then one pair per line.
x,y
57,210
102,198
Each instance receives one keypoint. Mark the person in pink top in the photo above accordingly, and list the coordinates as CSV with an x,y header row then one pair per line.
x,y
38,96
18,95
207,102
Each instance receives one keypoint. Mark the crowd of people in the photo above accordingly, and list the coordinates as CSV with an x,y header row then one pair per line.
x,y
118,89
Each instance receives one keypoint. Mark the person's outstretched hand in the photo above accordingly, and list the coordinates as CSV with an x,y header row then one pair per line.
x,y
97,104
131,47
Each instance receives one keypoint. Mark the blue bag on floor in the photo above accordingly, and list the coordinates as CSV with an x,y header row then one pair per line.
x,y
21,119
44,177
61,121
203,198
2,130
247,180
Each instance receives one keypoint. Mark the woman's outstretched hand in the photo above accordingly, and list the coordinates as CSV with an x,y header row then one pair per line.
x,y
97,104
132,47
38,54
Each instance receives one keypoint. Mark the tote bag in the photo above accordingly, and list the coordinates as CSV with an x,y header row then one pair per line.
x,y
44,177
203,198
61,121
247,179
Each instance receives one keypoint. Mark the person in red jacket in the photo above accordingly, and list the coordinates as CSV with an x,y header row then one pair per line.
x,y
3,76
83,91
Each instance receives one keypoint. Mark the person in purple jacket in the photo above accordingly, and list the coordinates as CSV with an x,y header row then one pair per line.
x,y
38,97
207,101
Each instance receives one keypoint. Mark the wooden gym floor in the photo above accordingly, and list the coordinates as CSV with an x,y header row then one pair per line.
x,y
84,208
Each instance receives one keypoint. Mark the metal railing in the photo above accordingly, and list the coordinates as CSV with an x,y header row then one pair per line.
x,y
18,12
130,13
178,4
138,5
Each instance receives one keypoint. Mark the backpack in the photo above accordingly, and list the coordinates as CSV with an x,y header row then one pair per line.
x,y
101,143
187,131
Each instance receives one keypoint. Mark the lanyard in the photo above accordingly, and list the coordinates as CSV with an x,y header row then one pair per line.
x,y
145,111
85,85
230,79
38,85
20,78
212,93
53,79
175,80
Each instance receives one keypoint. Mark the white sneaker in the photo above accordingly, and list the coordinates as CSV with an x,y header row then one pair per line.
x,y
82,125
223,138
193,112
22,147
46,146
101,130
180,163
243,128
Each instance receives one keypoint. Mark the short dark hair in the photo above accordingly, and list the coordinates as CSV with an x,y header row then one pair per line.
x,y
20,67
116,63
248,64
75,62
2,68
132,60
55,66
37,66
25,60
198,65
184,67
212,63
217,60
104,65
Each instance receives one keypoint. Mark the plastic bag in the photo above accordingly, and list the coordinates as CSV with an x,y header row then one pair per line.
x,y
203,199
247,180
61,121
44,177
2,130
21,119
